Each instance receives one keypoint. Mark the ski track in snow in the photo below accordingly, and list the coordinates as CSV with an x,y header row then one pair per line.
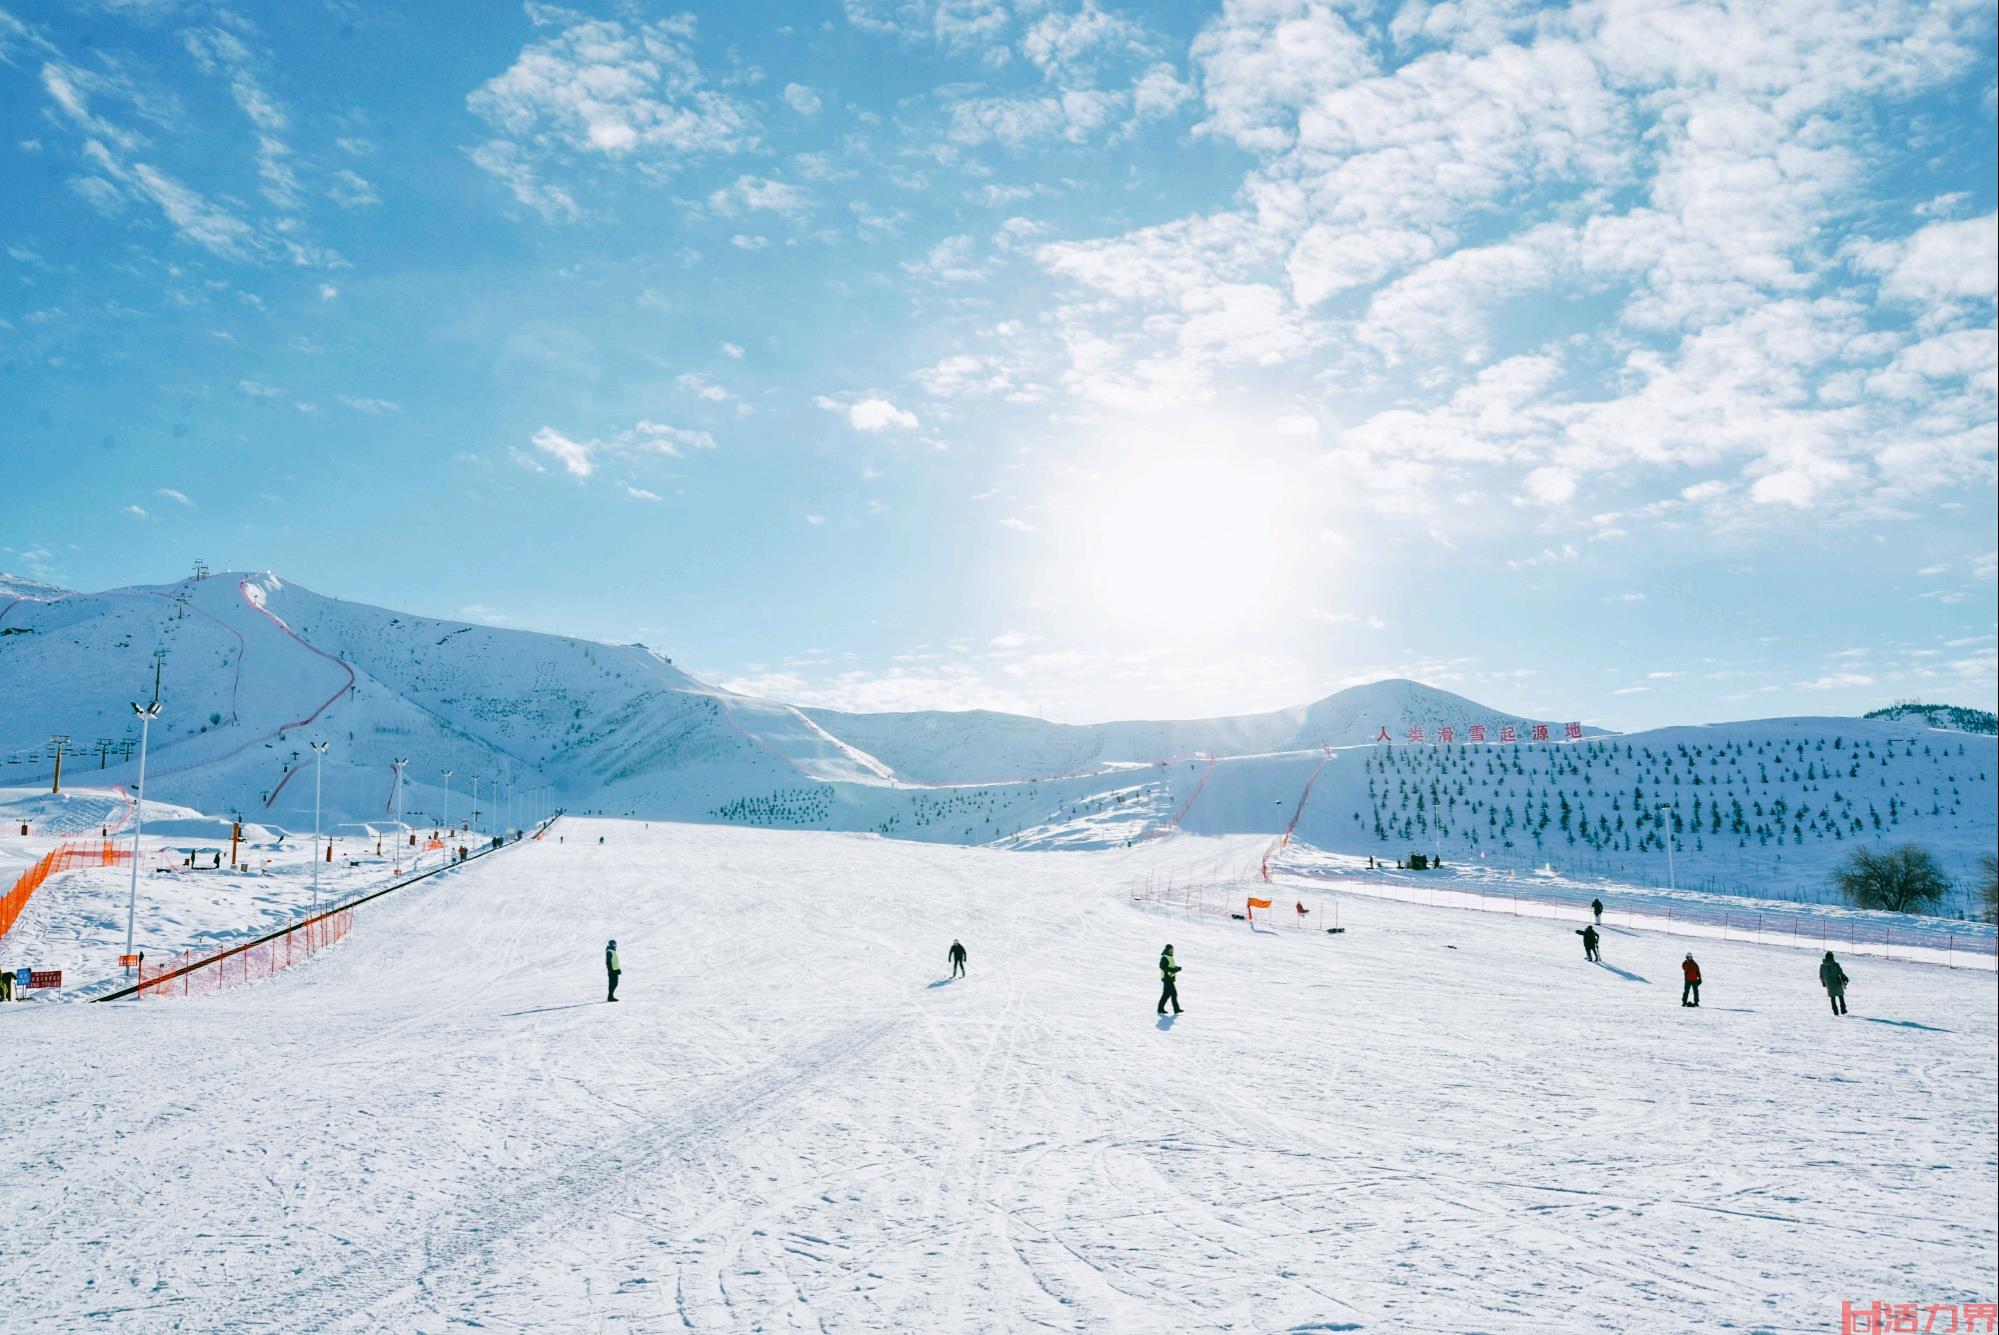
x,y
793,1120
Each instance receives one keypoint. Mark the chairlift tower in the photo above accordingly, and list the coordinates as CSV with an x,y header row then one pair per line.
x,y
58,741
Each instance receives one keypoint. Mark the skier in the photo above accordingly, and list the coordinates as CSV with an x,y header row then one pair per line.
x,y
1168,970
1690,991
1596,907
1833,979
611,968
1588,934
957,956
6,984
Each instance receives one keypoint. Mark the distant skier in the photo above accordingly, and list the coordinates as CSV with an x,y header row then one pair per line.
x,y
1690,991
611,969
1169,970
1596,907
957,956
1833,979
1589,936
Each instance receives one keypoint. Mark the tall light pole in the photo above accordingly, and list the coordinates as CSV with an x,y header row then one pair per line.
x,y
401,835
1668,806
318,755
146,713
447,804
475,799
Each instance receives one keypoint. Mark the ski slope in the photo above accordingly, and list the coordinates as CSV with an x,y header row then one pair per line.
x,y
792,1120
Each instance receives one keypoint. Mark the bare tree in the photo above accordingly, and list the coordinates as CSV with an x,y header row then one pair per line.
x,y
1901,880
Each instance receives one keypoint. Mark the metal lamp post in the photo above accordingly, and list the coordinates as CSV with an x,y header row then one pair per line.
x,y
318,755
475,799
146,713
447,804
401,834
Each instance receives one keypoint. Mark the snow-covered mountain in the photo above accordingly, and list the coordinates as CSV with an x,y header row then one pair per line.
x,y
979,746
255,667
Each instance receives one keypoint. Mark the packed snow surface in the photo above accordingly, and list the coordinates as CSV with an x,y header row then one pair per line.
x,y
793,1118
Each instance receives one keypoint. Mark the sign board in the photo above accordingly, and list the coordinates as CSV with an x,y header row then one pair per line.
x,y
44,977
129,961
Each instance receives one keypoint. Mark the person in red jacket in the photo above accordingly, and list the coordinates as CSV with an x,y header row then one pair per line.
x,y
1690,992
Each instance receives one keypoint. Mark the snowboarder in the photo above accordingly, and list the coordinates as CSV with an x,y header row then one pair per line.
x,y
1588,934
1596,907
611,969
957,955
1168,969
1690,991
1833,979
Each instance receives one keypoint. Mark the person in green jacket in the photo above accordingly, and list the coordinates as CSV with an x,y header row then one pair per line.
x,y
611,968
1168,970
1833,979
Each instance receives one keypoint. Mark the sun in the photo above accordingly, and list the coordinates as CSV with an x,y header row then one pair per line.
x,y
1191,545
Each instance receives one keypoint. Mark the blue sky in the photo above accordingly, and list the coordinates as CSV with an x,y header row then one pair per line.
x,y
1631,362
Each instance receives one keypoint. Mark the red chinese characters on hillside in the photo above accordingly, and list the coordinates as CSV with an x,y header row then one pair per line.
x,y
1475,733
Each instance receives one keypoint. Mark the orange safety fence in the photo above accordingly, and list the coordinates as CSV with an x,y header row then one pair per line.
x,y
64,857
192,974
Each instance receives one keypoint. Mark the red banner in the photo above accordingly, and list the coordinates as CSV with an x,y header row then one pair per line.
x,y
45,978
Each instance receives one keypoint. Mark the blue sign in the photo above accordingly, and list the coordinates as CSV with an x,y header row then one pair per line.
x,y
22,976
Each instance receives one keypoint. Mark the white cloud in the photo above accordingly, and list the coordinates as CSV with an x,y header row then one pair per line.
x,y
703,386
1836,681
351,190
136,511
327,292
373,407
1941,261
750,194
606,91
639,493
964,375
871,414
730,350
802,99
574,456
1550,486
178,498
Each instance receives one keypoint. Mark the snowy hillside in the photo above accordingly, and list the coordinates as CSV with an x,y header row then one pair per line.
x,y
979,746
256,667
794,1119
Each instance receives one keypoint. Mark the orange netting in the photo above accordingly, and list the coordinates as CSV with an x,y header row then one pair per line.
x,y
192,974
62,858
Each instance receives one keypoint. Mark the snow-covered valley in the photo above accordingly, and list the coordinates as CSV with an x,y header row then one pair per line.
x,y
793,1118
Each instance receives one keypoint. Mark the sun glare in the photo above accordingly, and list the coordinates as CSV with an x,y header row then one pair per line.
x,y
1190,544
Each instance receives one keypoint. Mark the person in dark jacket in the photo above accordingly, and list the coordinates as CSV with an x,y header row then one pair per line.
x,y
1589,936
1833,979
957,955
1690,991
1596,907
1169,970
611,969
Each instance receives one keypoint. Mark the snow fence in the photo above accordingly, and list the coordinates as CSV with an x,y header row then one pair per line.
x,y
197,974
62,858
